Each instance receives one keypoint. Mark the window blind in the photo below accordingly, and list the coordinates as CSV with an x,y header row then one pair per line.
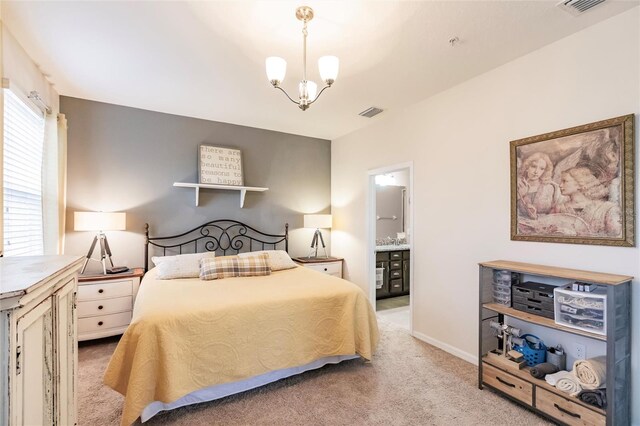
x,y
22,180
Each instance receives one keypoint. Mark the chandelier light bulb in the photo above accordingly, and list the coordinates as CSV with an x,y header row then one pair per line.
x,y
307,90
329,66
276,69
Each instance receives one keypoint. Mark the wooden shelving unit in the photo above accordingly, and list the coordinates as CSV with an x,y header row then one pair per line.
x,y
197,186
536,394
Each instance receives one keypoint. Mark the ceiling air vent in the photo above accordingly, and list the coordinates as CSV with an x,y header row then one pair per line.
x,y
577,7
370,112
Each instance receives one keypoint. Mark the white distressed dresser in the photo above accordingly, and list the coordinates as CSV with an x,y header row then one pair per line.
x,y
38,344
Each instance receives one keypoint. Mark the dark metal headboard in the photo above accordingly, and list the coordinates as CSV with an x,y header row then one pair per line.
x,y
223,235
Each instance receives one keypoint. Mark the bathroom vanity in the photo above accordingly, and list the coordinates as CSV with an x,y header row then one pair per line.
x,y
392,270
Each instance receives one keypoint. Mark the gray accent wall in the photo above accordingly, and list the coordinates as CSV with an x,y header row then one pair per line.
x,y
127,159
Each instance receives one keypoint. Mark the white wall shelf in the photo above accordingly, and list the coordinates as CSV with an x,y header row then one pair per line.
x,y
243,189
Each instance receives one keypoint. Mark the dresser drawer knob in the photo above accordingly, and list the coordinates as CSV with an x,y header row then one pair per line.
x,y
101,291
325,269
100,307
100,323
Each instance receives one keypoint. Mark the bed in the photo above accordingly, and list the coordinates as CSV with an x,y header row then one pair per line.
x,y
192,341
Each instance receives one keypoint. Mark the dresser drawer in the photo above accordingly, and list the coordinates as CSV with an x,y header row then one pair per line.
x,y
103,322
102,307
396,264
507,383
105,290
395,273
395,286
332,268
395,255
566,411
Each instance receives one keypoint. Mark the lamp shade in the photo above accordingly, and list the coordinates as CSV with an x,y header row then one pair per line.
x,y
317,221
276,69
308,90
328,66
99,221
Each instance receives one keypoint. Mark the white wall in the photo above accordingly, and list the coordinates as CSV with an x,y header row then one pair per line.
x,y
459,142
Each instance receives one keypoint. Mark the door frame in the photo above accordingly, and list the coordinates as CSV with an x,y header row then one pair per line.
x,y
371,232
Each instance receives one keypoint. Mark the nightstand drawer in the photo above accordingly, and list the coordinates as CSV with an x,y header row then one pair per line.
x,y
103,307
105,290
103,322
333,268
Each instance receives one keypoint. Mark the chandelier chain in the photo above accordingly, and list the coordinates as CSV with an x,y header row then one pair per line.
x,y
304,51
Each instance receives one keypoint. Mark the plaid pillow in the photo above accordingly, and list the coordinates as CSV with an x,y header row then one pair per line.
x,y
216,268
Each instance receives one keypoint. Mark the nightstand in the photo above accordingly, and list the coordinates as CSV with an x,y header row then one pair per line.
x,y
326,265
105,303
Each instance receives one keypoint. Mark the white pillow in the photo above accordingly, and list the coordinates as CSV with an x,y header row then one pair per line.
x,y
179,266
278,259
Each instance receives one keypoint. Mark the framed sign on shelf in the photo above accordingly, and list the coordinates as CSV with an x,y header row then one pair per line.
x,y
219,165
575,185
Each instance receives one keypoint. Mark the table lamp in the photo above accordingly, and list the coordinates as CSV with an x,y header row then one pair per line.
x,y
317,221
100,222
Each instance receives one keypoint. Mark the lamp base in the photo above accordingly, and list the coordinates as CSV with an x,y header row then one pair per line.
x,y
314,245
105,251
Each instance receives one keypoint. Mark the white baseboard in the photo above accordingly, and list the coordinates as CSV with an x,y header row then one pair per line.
x,y
473,359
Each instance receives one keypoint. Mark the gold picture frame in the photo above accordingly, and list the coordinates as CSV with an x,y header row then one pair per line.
x,y
576,185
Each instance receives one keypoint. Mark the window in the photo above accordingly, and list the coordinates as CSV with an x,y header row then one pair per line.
x,y
22,180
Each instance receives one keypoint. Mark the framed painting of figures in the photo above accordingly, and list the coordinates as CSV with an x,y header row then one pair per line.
x,y
575,185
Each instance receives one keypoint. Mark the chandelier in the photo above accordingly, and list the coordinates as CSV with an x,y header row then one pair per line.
x,y
307,89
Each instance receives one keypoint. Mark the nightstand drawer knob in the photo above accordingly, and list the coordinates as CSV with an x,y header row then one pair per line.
x,y
100,323
101,291
100,307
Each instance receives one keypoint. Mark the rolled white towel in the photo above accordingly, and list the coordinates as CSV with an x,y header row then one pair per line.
x,y
592,372
552,379
569,384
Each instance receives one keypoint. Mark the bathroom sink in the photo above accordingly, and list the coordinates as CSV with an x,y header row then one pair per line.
x,y
392,247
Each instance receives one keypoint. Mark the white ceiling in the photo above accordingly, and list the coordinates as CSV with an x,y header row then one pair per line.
x,y
206,59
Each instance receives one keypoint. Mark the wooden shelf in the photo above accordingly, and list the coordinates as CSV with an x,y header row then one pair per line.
x,y
524,374
536,319
548,400
243,189
552,271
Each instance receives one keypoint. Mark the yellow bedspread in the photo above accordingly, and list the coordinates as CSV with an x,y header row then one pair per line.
x,y
189,334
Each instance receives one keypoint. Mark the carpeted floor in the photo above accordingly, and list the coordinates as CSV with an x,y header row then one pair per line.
x,y
408,383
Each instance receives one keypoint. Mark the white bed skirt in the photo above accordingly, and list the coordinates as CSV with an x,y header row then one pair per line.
x,y
220,391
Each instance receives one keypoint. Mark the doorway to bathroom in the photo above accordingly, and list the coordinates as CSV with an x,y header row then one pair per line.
x,y
390,253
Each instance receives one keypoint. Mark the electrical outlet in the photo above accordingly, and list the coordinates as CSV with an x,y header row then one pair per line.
x,y
580,351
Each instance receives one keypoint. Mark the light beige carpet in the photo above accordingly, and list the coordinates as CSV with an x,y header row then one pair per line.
x,y
408,383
